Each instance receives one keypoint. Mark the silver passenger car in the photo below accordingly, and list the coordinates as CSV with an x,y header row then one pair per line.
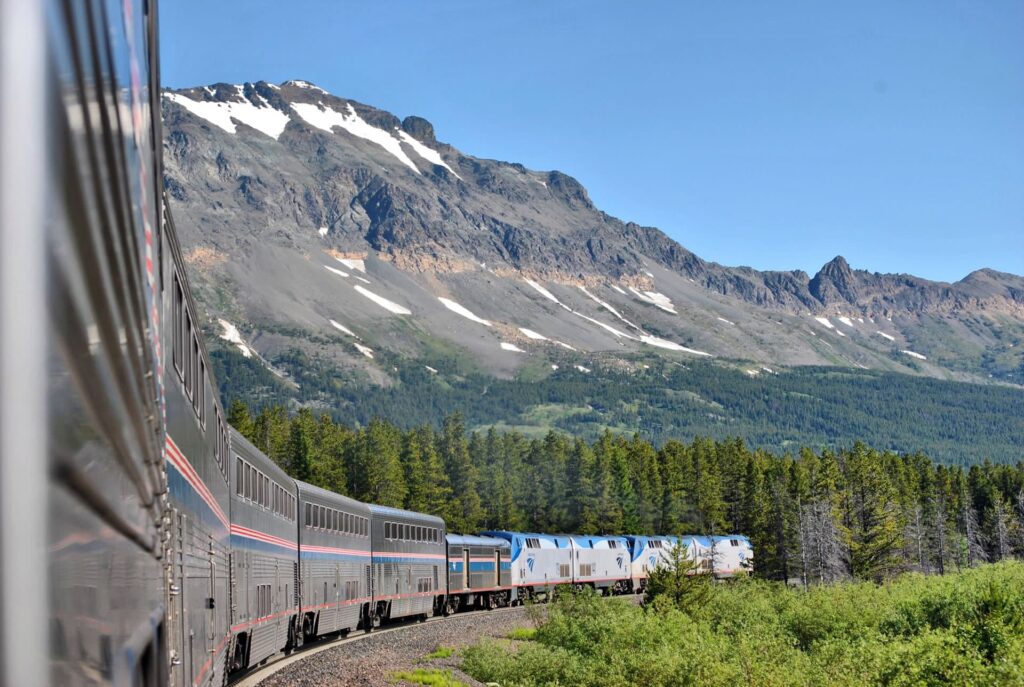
x,y
479,572
82,484
196,450
264,556
334,561
408,563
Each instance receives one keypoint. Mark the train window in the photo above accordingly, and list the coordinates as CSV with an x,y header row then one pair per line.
x,y
194,367
201,389
533,543
239,479
309,515
388,531
613,544
178,305
734,542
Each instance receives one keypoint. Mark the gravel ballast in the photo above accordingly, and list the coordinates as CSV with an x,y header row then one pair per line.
x,y
372,661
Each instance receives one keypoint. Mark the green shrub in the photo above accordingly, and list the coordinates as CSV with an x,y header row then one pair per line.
x,y
965,629
430,678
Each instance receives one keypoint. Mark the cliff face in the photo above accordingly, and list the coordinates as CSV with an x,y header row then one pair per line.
x,y
272,183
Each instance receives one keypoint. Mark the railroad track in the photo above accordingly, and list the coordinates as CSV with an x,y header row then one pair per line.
x,y
278,662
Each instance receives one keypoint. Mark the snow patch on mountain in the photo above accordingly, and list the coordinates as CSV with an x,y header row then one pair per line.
x,y
913,354
390,306
365,350
427,153
824,321
671,345
886,336
462,310
232,335
542,291
342,328
530,334
263,117
511,347
323,117
335,271
353,264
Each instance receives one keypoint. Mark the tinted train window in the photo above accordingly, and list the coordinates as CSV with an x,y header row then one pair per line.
x,y
176,341
239,476
309,515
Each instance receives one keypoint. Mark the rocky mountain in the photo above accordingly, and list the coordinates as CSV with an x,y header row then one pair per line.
x,y
319,227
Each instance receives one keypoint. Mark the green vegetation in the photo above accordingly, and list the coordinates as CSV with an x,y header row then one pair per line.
x,y
440,652
523,634
964,629
819,407
431,678
811,516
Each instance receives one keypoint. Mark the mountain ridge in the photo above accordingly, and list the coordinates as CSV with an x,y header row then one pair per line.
x,y
347,177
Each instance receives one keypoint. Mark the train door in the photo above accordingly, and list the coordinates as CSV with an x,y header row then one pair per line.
x,y
465,568
497,569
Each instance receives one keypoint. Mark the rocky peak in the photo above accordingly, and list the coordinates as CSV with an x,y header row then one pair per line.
x,y
834,281
420,129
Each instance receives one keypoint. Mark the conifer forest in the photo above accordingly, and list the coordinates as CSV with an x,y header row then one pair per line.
x,y
813,517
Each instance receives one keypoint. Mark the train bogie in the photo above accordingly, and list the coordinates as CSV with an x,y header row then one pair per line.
x,y
334,562
479,572
409,561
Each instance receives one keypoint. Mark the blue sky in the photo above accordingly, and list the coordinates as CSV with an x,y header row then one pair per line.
x,y
775,135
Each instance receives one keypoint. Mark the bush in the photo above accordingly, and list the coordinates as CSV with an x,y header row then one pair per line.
x,y
966,629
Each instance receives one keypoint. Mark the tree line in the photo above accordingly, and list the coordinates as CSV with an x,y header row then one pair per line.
x,y
811,516
952,422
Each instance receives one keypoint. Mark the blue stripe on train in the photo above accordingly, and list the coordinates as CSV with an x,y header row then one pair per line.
x,y
245,543
183,494
456,566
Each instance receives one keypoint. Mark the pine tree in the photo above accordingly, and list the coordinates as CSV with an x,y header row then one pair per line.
x,y
874,516
376,468
452,446
240,419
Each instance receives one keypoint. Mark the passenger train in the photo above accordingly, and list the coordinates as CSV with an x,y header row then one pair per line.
x,y
142,541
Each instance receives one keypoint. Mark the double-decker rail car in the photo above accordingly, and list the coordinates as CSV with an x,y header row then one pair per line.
x,y
196,449
540,562
334,562
264,557
409,562
479,572
82,484
601,562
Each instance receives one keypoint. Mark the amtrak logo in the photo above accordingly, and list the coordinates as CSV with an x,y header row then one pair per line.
x,y
743,556
529,562
652,560
619,560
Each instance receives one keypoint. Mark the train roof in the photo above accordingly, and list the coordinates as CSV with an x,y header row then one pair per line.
x,y
560,540
306,490
245,448
589,539
476,540
402,513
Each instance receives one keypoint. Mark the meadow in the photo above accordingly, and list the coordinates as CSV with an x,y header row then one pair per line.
x,y
958,629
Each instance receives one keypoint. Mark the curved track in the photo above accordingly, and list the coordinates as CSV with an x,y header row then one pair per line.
x,y
255,676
